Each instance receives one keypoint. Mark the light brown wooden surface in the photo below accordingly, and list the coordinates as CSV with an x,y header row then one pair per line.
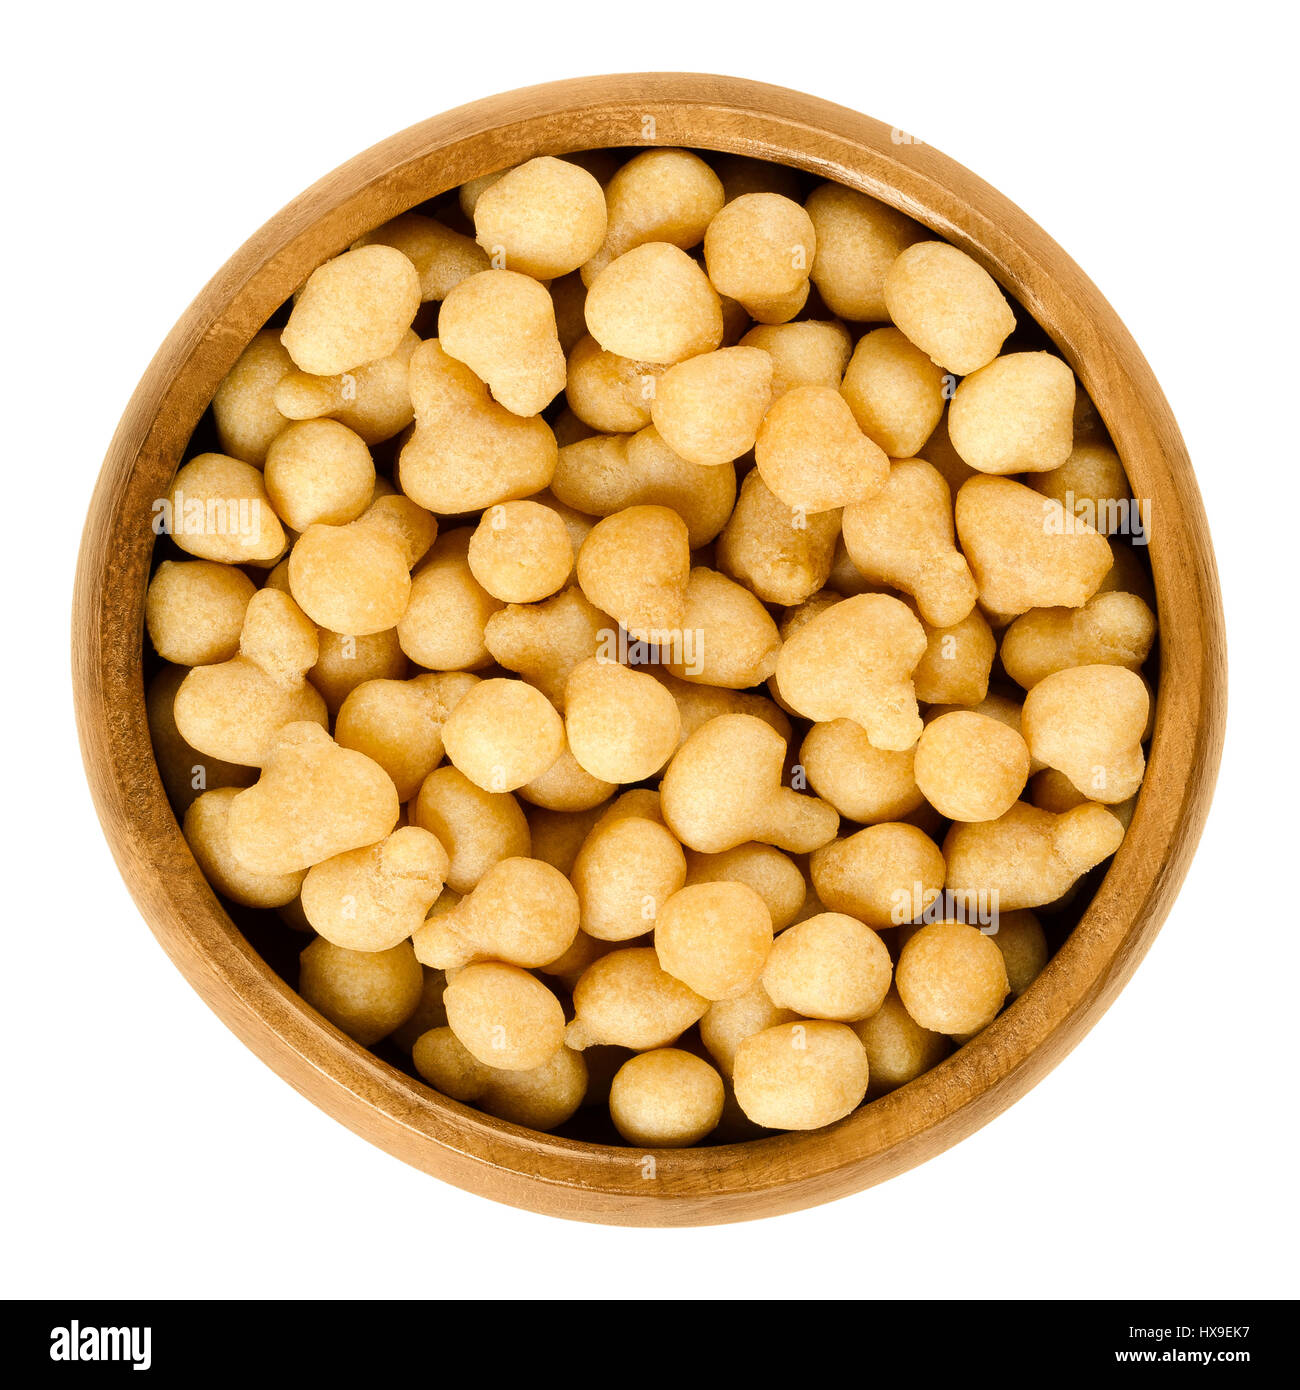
x,y
558,1176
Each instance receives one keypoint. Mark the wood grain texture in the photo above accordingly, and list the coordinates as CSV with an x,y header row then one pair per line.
x,y
565,1177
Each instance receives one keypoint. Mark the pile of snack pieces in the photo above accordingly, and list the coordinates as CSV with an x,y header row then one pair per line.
x,y
648,714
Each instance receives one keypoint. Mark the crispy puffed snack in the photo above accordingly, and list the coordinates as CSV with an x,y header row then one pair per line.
x,y
1016,415
1023,945
903,537
502,733
895,392
623,725
468,451
855,660
758,251
1023,549
194,610
863,783
569,295
1027,856
374,401
885,875
948,305
952,978
1092,483
609,392
504,1016
627,999
781,554
318,471
206,830
728,638
1050,790
829,966
370,899
234,710
812,454
657,196
697,704
1088,722
501,325
608,473
724,787
741,174
217,508
627,867
714,937
957,663
365,993
313,800
346,662
442,257
243,407
634,566
185,772
730,1021
522,911
971,767
545,218
858,239
807,353
1111,629
665,1099
429,1012
399,723
567,786
352,310
800,1075
898,1048
708,408
444,625
654,304
477,828
774,876
543,642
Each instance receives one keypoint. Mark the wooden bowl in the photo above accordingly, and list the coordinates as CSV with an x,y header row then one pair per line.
x,y
559,1176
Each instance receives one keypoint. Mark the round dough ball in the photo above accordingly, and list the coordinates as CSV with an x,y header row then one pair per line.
x,y
194,610
666,1099
829,966
800,1075
365,993
952,978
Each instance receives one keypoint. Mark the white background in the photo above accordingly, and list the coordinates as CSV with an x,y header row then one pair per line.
x,y
147,1152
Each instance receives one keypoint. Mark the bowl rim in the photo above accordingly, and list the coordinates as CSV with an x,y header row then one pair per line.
x,y
521,1167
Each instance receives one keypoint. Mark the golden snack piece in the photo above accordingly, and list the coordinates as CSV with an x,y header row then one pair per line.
x,y
1050,790
399,723
522,911
728,638
609,392
365,993
444,626
957,663
858,240
543,642
1092,483
545,218
714,937
829,966
665,1099
372,898
449,1066
812,454
313,800
627,999
1024,949
217,508
863,783
657,196
898,1048
557,836
813,352
759,250
730,1021
741,174
952,978
503,733
884,875
903,537
1029,857
1016,415
567,786
501,325
697,704
374,401
442,257
708,408
352,310
627,867
724,787
781,555
477,828
429,1012
540,1098
634,566
243,407
1088,722
800,1075
622,725
895,392
569,296
185,772
346,662
854,660
948,305
971,767
608,473
318,471
194,611
505,1017
774,876
234,710
1024,550
1111,629
468,451
654,304
205,828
